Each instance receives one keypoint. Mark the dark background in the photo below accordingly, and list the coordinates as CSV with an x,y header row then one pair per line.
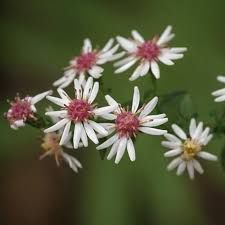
x,y
39,37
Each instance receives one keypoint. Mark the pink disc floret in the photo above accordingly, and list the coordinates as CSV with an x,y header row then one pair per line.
x,y
149,50
20,110
85,61
127,124
79,110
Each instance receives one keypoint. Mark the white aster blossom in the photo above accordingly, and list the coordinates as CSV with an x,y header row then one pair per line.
x,y
188,148
80,112
127,125
88,63
148,53
23,109
220,94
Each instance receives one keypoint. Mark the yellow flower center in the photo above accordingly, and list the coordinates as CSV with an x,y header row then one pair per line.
x,y
190,149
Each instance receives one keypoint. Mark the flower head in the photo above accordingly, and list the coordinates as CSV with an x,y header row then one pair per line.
x,y
220,94
148,53
128,124
80,112
88,63
188,148
23,109
51,147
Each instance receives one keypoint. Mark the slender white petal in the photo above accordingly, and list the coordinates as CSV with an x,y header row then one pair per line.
x,y
116,56
219,92
155,123
164,59
57,126
155,69
173,152
174,163
39,97
192,127
104,110
108,142
207,156
90,133
78,89
127,44
198,166
57,101
136,100
97,127
178,50
61,113
171,145
179,132
221,79
87,46
152,131
145,68
136,35
60,81
111,101
131,150
113,150
108,45
96,71
149,107
68,81
123,61
64,95
190,169
109,53
84,138
198,131
172,138
181,168
208,139
121,149
77,135
126,66
88,88
164,36
94,92
136,73
220,99
65,133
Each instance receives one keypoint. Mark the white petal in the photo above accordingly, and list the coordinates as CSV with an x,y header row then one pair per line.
x,y
190,169
198,131
61,113
221,79
172,138
131,150
128,45
123,61
111,100
60,81
97,127
136,99
219,92
192,127
152,131
181,168
145,68
96,71
104,110
164,59
198,166
88,88
78,89
136,35
87,46
90,133
164,36
178,50
204,135
207,156
179,132
152,117
57,126
173,152
108,142
77,134
57,101
84,138
39,97
109,53
108,45
68,81
116,56
109,116
208,139
149,107
63,95
220,99
174,163
137,73
171,145
126,66
94,92
113,150
121,149
155,69
155,123
65,133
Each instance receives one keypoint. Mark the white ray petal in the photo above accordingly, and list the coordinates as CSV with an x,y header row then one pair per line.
x,y
87,47
123,61
137,36
181,168
155,69
113,150
131,150
90,133
57,101
172,138
171,145
137,73
68,81
219,92
77,135
198,166
121,149
221,78
207,156
104,110
116,56
192,127
108,142
126,66
96,71
145,68
173,152
136,99
94,92
109,53
174,163
78,89
108,45
164,36
98,128
164,59
84,138
198,131
111,101
178,50
155,123
39,97
60,81
179,132
61,113
65,133
88,88
152,131
149,107
220,99
128,45
64,95
190,169
57,126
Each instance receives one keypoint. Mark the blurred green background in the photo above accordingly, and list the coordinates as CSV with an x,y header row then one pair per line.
x,y
39,37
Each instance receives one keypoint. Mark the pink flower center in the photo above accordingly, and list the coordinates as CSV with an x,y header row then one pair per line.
x,y
20,110
85,61
148,50
79,110
127,124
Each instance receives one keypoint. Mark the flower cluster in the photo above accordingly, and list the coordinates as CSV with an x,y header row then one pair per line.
x,y
80,118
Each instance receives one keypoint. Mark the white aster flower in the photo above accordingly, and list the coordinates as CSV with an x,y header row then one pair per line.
x,y
220,94
188,148
88,62
52,148
128,123
147,53
23,109
79,112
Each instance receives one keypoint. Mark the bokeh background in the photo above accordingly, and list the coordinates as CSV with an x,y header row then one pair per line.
x,y
39,37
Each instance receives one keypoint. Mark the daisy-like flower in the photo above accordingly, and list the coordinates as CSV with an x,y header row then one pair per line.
x,y
80,112
52,148
147,53
188,148
88,63
220,94
23,109
128,123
